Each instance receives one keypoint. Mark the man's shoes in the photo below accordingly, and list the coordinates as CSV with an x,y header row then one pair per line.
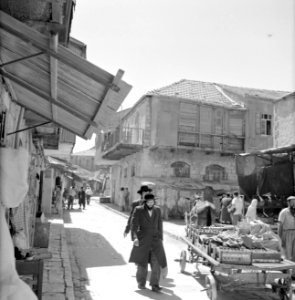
x,y
156,288
141,287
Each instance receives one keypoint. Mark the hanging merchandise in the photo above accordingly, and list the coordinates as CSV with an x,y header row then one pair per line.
x,y
14,164
11,286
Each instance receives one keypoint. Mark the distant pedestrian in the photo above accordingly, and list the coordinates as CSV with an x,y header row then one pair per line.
x,y
147,226
89,193
72,195
82,198
236,208
58,200
251,214
144,189
121,199
65,196
225,217
126,199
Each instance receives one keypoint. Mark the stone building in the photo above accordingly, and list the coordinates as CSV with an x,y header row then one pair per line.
x,y
184,137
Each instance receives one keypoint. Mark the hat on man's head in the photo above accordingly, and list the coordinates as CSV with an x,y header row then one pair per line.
x,y
149,197
291,198
144,189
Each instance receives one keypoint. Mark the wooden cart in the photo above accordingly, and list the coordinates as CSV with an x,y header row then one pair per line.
x,y
227,276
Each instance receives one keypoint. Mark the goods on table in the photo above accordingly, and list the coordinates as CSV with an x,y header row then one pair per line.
x,y
249,243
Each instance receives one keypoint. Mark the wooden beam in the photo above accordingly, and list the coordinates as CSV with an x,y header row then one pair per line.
x,y
104,102
46,97
41,41
53,74
35,111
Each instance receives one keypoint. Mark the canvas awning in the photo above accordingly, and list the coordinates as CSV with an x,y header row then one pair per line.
x,y
54,83
68,167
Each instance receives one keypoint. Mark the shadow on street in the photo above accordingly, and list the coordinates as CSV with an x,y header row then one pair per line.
x,y
165,294
87,250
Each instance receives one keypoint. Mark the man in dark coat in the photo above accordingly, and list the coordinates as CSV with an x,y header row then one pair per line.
x,y
147,226
144,189
82,197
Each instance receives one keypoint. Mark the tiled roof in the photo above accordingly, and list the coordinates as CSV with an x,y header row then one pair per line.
x,y
204,92
259,93
214,93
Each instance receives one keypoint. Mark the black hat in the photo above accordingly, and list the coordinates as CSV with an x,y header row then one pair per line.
x,y
144,188
149,197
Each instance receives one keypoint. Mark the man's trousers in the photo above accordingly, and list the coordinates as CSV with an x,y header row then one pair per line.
x,y
142,271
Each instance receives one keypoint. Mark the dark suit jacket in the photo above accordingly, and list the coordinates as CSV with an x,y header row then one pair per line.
x,y
128,226
149,231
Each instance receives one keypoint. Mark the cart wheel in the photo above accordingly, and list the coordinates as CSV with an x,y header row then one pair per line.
x,y
286,293
289,292
211,287
182,261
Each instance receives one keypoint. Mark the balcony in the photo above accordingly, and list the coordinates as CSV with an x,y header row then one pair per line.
x,y
212,142
122,142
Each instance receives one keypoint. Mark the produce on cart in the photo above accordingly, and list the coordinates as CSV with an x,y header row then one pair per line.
x,y
240,257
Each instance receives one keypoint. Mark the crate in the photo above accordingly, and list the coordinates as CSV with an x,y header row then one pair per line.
x,y
264,256
234,256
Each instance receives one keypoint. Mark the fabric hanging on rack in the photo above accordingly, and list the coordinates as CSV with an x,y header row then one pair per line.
x,y
11,286
14,165
277,179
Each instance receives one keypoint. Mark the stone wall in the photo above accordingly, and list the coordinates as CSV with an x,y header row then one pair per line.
x,y
155,166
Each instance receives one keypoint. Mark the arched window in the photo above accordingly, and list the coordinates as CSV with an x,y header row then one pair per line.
x,y
215,173
181,169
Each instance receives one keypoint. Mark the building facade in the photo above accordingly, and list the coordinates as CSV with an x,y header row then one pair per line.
x,y
183,138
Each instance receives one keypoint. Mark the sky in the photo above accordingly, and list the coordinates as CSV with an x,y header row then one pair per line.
x,y
246,43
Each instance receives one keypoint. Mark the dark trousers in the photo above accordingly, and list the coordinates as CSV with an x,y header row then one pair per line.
x,y
142,271
70,202
82,203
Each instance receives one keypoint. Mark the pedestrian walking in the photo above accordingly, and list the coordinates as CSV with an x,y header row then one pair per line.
x,y
147,226
72,195
89,193
65,196
58,200
286,229
144,189
126,198
82,198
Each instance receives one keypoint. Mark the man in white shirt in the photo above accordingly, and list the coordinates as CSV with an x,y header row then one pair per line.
x,y
236,208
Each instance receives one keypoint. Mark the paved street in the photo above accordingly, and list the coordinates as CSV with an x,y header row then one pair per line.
x,y
99,260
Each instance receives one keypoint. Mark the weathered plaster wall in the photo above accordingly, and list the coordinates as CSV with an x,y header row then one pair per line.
x,y
284,130
155,166
255,105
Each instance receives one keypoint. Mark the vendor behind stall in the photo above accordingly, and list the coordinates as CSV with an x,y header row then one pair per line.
x,y
203,212
286,229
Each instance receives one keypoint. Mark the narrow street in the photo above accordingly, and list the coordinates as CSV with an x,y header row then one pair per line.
x,y
99,259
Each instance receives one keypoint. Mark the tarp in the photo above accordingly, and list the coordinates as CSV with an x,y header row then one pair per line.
x,y
265,172
68,167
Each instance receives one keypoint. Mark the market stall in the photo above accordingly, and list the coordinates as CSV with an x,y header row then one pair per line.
x,y
267,175
240,257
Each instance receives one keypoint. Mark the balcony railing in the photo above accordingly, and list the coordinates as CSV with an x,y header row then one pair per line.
x,y
220,143
122,135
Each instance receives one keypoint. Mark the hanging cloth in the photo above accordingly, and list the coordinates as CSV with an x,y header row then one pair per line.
x,y
14,166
